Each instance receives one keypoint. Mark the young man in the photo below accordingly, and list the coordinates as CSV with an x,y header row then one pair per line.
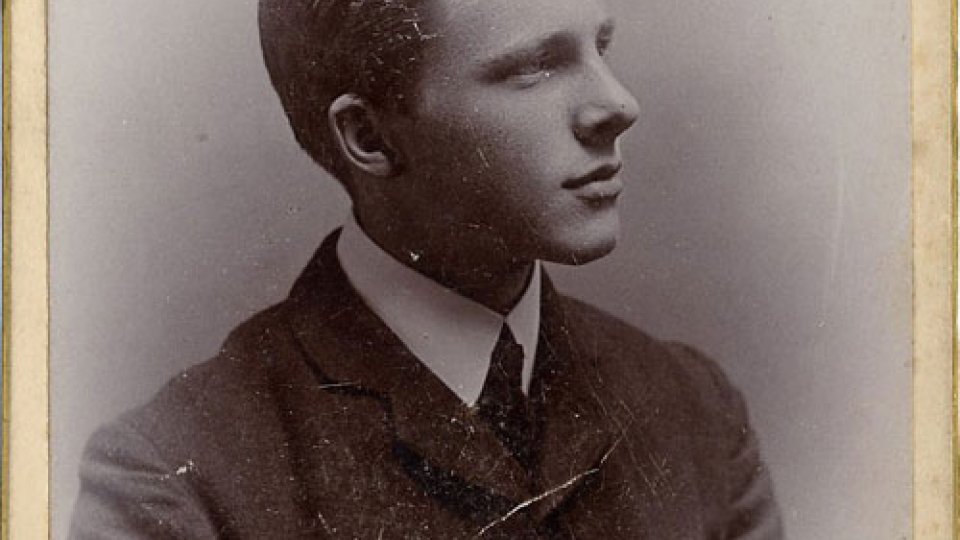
x,y
424,379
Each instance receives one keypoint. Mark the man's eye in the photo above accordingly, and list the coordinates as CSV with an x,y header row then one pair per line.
x,y
532,69
535,70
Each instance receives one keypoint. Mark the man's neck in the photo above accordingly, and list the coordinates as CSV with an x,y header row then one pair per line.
x,y
499,292
498,286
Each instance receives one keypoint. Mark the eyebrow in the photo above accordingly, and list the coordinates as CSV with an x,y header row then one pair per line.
x,y
529,50
606,30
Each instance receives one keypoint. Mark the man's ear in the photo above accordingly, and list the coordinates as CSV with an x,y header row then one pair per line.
x,y
356,129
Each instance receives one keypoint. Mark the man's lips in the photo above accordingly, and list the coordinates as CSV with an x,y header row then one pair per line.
x,y
601,183
600,174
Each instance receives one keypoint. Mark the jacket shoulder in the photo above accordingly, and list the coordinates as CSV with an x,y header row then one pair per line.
x,y
629,348
214,431
686,396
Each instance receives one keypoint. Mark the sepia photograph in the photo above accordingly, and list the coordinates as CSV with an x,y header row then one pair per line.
x,y
482,269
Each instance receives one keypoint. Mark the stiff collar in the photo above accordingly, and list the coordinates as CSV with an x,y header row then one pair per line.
x,y
451,334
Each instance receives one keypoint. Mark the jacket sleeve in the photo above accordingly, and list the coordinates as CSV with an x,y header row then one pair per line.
x,y
748,508
752,512
128,491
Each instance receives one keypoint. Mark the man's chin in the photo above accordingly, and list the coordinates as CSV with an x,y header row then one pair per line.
x,y
584,252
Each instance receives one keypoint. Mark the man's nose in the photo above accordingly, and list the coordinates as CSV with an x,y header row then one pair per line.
x,y
607,109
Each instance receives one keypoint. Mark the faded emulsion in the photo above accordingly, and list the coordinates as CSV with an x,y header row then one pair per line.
x,y
428,371
470,153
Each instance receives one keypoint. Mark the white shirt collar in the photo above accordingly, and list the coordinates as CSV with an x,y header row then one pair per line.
x,y
451,334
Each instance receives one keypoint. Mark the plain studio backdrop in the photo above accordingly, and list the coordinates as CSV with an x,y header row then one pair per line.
x,y
766,220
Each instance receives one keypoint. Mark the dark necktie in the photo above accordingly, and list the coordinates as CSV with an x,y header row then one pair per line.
x,y
503,403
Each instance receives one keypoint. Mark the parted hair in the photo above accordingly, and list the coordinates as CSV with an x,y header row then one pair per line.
x,y
317,50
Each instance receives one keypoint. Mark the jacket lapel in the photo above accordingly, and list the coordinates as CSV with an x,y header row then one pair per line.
x,y
577,434
352,351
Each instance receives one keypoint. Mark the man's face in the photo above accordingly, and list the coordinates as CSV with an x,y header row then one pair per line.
x,y
512,146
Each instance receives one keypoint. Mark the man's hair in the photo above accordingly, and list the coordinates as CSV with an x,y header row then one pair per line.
x,y
317,50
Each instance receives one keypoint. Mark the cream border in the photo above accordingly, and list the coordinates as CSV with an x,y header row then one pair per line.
x,y
934,206
25,263
26,482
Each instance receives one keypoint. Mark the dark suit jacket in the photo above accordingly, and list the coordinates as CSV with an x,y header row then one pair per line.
x,y
314,421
